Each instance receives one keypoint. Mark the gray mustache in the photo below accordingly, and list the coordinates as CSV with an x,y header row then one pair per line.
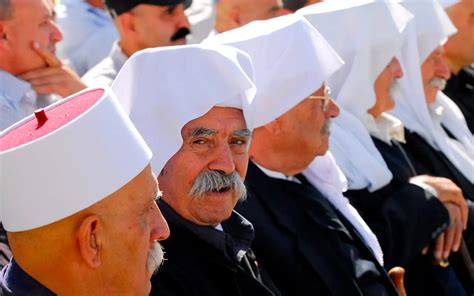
x,y
439,83
209,181
326,127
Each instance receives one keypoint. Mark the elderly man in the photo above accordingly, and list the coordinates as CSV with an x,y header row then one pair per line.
x,y
29,69
305,244
459,56
141,24
380,178
437,140
87,221
194,120
231,14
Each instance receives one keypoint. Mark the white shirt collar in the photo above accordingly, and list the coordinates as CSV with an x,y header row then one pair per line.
x,y
436,112
385,127
276,175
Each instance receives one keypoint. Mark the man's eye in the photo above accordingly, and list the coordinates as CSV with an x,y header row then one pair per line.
x,y
239,142
199,142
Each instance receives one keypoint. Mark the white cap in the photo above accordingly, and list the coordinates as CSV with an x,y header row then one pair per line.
x,y
433,25
163,89
367,35
447,3
86,150
291,61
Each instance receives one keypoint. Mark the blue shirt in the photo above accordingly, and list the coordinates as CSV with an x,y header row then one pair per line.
x,y
15,281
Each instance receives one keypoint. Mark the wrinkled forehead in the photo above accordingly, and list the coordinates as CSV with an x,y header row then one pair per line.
x,y
219,120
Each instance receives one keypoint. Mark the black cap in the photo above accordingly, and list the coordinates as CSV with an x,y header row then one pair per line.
x,y
117,7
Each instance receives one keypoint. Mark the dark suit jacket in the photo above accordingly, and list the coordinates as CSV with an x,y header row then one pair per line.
x,y
305,245
193,266
460,89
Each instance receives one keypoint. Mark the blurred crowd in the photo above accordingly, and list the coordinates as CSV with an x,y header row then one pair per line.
x,y
237,147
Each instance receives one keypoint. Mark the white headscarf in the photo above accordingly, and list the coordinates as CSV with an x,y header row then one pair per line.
x,y
432,29
291,61
163,89
367,35
325,175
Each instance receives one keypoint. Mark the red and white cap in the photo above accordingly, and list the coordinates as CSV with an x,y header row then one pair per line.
x,y
67,157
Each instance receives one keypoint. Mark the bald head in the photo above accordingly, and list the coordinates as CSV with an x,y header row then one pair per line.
x,y
232,14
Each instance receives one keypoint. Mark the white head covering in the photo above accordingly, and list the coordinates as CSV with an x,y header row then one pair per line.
x,y
291,61
325,175
447,3
432,29
163,89
367,35
85,151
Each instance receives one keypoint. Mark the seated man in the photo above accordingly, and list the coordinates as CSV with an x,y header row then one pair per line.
x,y
204,153
141,24
29,70
79,201
302,240
379,176
459,56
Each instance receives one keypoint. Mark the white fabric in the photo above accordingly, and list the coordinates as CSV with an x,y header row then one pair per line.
x,y
163,89
453,120
432,29
201,14
385,127
88,34
71,168
291,61
325,175
105,72
367,35
448,3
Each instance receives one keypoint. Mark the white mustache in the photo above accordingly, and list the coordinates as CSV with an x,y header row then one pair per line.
x,y
326,127
439,83
208,181
155,258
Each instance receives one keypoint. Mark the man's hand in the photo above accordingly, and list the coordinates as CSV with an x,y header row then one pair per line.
x,y
450,240
448,192
54,78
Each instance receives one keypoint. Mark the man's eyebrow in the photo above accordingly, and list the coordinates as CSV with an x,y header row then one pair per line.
x,y
245,132
202,132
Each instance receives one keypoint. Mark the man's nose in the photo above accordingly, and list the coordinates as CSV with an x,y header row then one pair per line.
x,y
223,161
56,34
181,18
333,109
442,69
160,229
396,68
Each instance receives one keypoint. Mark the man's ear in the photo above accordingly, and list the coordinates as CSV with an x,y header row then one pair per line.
x,y
126,22
90,238
3,35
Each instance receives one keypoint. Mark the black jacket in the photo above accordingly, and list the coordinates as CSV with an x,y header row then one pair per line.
x,y
460,89
306,246
200,261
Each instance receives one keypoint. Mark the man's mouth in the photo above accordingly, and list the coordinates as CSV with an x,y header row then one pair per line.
x,y
221,190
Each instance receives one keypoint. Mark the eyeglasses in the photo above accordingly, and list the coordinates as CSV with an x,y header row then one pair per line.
x,y
326,98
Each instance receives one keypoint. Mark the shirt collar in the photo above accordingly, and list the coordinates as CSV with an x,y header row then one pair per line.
x,y
13,88
235,237
276,175
15,280
385,127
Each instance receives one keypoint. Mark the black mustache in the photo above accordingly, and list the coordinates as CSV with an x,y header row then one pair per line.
x,y
180,34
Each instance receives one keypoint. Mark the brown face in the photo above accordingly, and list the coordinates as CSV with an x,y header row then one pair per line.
x,y
382,86
435,72
32,20
133,223
215,144
156,26
460,47
304,130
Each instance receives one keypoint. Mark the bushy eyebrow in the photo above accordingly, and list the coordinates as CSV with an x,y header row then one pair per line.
x,y
202,132
245,133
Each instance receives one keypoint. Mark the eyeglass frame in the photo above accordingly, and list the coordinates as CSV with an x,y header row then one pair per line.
x,y
326,98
